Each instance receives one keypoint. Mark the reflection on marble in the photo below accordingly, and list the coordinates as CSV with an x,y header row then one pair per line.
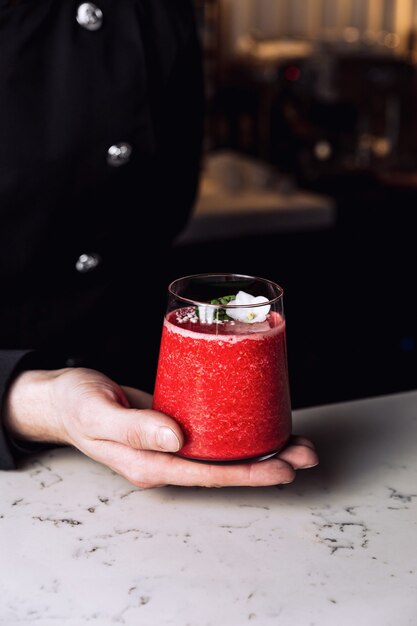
x,y
79,544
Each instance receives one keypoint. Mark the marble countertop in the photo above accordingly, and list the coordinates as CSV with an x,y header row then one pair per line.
x,y
80,545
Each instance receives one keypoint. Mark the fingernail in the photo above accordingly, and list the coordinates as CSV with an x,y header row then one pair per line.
x,y
168,440
309,466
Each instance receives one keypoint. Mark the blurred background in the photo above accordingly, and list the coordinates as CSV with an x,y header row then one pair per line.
x,y
310,179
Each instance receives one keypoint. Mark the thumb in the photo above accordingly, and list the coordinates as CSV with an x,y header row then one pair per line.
x,y
152,430
141,429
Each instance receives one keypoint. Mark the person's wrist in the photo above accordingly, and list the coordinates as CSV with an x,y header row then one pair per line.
x,y
29,413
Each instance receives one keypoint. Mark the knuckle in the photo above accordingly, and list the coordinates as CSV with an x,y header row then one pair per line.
x,y
213,480
135,438
140,478
145,484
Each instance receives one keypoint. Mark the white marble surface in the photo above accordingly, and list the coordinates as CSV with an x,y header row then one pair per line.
x,y
80,545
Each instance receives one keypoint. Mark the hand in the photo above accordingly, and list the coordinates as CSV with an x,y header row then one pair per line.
x,y
115,426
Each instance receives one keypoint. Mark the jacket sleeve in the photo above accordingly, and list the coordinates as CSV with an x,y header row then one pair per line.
x,y
12,362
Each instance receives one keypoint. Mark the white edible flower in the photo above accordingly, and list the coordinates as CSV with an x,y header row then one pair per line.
x,y
248,314
206,313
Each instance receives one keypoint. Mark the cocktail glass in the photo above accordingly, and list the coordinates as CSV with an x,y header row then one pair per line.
x,y
222,368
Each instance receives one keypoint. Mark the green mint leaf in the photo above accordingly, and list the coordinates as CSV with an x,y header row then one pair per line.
x,y
221,315
223,300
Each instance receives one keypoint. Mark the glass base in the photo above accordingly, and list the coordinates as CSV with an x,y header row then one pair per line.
x,y
252,459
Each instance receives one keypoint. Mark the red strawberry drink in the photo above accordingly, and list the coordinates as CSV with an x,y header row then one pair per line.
x,y
222,370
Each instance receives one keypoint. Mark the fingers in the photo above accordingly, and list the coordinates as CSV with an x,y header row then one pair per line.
x,y
300,453
152,469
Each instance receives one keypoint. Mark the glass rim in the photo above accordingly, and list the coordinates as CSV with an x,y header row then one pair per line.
x,y
221,306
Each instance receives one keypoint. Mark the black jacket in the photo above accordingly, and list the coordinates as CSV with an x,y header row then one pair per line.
x,y
100,138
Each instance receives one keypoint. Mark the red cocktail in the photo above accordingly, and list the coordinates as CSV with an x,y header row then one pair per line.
x,y
222,370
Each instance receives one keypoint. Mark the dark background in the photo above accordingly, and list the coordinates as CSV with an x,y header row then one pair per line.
x,y
349,288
